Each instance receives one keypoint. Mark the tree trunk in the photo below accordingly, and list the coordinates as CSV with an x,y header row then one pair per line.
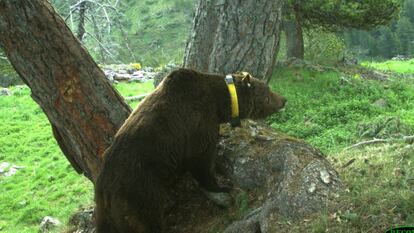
x,y
201,43
84,110
232,35
81,24
99,40
294,39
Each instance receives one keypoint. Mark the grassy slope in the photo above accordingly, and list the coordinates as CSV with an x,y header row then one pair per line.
x,y
47,185
403,67
331,112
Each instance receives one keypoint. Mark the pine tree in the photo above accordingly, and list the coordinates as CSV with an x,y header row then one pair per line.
x,y
387,43
405,33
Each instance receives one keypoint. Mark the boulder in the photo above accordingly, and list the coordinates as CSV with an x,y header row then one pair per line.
x,y
293,179
164,72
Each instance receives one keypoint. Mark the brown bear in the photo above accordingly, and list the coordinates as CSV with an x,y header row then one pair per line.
x,y
174,130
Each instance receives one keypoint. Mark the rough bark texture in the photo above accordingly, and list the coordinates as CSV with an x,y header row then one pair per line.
x,y
82,107
294,39
233,35
201,42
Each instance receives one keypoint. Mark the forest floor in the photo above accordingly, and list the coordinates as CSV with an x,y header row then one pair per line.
x,y
327,108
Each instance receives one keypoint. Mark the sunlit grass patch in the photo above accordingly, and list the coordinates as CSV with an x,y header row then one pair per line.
x,y
403,67
134,88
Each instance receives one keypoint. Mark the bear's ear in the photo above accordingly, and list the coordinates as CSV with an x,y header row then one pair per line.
x,y
246,78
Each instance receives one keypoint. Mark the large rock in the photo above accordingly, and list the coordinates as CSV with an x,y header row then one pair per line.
x,y
293,177
164,72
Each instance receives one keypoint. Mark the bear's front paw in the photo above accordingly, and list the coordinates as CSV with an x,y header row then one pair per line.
x,y
223,189
217,188
222,199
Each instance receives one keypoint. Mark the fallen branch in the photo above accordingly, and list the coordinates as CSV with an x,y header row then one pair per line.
x,y
136,98
349,163
376,140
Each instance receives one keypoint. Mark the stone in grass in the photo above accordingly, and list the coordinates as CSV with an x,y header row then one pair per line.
x,y
4,167
48,223
82,221
5,92
164,72
381,103
8,169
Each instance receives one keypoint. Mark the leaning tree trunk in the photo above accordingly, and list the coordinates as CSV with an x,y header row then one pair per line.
x,y
82,107
231,35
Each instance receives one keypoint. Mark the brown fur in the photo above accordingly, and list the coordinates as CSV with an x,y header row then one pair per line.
x,y
174,130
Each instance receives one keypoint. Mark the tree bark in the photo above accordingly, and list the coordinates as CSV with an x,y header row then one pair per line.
x,y
81,24
201,42
232,35
84,110
294,39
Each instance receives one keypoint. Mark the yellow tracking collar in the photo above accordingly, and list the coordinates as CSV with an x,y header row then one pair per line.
x,y
235,119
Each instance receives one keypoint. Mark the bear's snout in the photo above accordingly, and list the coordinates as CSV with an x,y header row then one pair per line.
x,y
279,101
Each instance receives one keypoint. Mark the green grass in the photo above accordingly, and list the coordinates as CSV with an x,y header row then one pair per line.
x,y
47,185
378,192
326,109
331,111
403,67
379,186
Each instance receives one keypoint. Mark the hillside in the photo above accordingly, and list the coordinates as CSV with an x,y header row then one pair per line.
x,y
158,29
154,30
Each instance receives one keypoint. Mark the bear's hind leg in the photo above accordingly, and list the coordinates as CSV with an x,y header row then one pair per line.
x,y
202,169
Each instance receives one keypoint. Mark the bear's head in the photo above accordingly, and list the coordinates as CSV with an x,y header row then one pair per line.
x,y
256,100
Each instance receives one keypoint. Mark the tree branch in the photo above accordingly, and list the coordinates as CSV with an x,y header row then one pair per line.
x,y
138,97
376,140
